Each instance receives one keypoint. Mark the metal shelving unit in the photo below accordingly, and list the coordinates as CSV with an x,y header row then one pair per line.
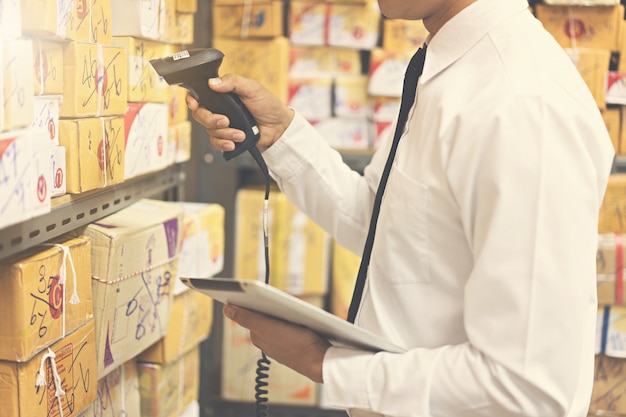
x,y
69,213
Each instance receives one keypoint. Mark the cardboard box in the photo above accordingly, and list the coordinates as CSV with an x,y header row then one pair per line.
x,y
187,6
201,252
46,116
184,28
178,111
610,269
118,393
403,35
350,97
16,98
593,66
609,387
144,84
96,80
613,120
134,257
386,72
307,22
167,390
345,132
46,295
25,164
138,18
257,20
621,150
145,126
313,62
69,364
239,365
354,26
595,27
168,14
10,20
57,19
612,216
614,335
345,268
616,87
101,16
58,171
311,97
191,317
179,138
266,61
48,67
94,152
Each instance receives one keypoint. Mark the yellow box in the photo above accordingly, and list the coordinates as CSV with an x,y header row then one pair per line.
x,y
191,317
308,22
16,97
46,295
593,66
258,20
301,264
403,35
621,150
101,17
178,111
70,362
94,152
167,390
202,242
609,387
134,258
48,67
266,61
315,62
609,277
345,268
118,393
355,26
96,80
613,209
44,19
613,121
239,365
144,84
179,142
187,6
312,97
596,27
350,96
184,28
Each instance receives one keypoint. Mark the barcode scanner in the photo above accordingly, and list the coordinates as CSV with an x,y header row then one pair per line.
x,y
192,69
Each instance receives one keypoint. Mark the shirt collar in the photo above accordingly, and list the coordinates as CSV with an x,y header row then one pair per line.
x,y
463,31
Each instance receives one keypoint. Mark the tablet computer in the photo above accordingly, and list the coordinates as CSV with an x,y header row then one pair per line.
x,y
263,298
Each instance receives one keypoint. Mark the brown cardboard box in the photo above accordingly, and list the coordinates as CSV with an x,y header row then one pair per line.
x,y
134,257
168,22
118,393
593,66
16,97
184,28
613,121
101,16
622,135
267,61
323,62
178,111
179,138
308,22
403,35
69,364
191,317
46,295
187,6
258,20
167,390
350,96
610,269
48,67
609,387
144,84
96,80
94,152
355,26
612,216
596,27
46,19
344,271
239,365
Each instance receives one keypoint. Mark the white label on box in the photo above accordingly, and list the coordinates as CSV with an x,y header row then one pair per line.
x,y
46,116
15,175
18,83
616,332
311,99
138,18
386,78
344,132
146,144
57,160
40,186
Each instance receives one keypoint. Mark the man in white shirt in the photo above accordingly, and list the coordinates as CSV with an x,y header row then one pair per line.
x,y
483,264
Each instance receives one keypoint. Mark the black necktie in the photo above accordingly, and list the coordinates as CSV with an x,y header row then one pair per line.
x,y
413,72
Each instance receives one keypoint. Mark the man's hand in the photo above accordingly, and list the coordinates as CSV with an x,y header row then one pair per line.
x,y
294,346
272,115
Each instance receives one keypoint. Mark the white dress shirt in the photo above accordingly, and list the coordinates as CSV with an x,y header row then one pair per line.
x,y
483,264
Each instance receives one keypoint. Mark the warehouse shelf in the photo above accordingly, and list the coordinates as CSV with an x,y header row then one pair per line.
x,y
620,164
237,409
69,212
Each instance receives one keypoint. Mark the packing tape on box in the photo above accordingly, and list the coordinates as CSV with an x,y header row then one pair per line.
x,y
619,269
101,72
42,76
56,379
104,148
124,278
245,19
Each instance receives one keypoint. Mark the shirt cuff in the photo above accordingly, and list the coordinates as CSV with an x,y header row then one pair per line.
x,y
344,372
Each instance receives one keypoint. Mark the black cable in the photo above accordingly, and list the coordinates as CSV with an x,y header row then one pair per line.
x,y
263,364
